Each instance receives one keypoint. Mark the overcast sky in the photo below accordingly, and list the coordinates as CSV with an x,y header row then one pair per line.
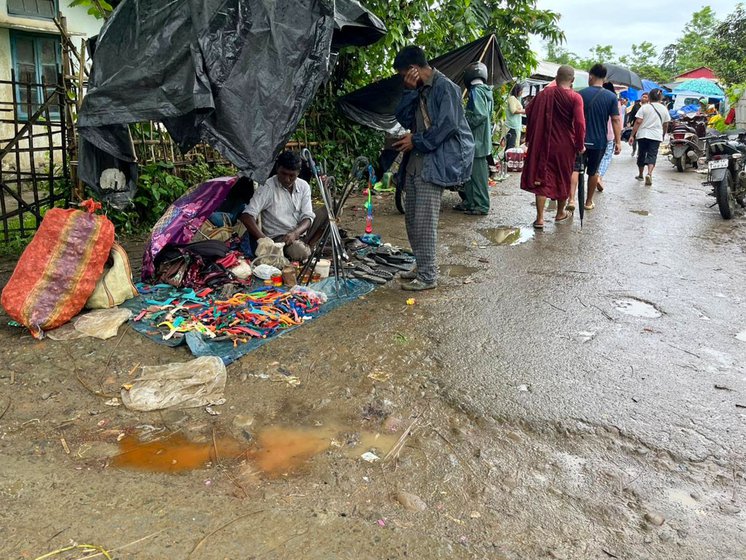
x,y
587,23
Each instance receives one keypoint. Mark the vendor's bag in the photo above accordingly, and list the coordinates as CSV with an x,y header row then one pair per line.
x,y
115,285
59,269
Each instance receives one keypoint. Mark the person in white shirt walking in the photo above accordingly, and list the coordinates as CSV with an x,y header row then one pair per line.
x,y
651,125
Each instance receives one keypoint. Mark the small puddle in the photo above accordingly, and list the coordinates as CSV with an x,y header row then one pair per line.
x,y
637,308
641,212
276,451
507,235
458,270
172,454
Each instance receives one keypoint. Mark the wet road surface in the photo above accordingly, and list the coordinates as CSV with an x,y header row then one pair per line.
x,y
569,393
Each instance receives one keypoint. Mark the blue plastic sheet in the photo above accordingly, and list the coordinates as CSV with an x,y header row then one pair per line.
x,y
349,290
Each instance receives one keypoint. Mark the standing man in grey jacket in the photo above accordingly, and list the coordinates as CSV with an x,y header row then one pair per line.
x,y
439,153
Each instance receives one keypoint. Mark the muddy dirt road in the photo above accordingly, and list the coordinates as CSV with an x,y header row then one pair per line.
x,y
576,394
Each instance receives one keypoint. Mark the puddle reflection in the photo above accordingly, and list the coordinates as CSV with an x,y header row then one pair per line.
x,y
507,235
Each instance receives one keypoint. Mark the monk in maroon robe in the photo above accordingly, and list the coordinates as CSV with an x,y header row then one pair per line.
x,y
554,135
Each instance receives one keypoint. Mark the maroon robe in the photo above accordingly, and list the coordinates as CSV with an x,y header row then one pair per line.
x,y
555,134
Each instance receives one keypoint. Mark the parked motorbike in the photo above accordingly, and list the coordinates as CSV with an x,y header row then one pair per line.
x,y
726,159
687,142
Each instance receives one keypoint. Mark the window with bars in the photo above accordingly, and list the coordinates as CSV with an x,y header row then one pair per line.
x,y
45,9
36,61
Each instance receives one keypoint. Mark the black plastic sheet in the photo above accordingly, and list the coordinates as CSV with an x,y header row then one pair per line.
x,y
237,74
375,104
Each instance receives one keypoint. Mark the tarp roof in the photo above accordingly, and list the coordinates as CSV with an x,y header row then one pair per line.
x,y
374,105
548,70
237,74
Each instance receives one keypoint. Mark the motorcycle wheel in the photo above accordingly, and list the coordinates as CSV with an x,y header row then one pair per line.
x,y
724,196
400,199
679,163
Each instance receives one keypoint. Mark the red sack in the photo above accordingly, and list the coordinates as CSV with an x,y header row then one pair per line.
x,y
58,271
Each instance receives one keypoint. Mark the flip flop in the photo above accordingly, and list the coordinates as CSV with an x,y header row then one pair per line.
x,y
590,206
567,217
369,277
570,207
538,226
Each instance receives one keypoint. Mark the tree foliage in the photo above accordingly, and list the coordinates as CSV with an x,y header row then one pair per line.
x,y
645,61
100,9
438,26
727,49
692,49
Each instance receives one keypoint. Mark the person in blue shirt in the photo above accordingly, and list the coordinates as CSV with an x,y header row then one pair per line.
x,y
599,105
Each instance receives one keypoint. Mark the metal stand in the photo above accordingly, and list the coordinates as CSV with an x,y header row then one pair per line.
x,y
334,202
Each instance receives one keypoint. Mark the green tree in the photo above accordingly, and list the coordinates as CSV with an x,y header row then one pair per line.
x,y
100,9
692,49
438,26
644,60
560,55
728,48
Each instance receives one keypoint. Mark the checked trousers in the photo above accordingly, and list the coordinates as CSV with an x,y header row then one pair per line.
x,y
422,212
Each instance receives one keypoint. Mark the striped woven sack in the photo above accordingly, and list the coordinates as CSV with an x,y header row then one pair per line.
x,y
58,271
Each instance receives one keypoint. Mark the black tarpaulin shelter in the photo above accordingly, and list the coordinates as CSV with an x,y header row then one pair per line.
x,y
375,104
237,74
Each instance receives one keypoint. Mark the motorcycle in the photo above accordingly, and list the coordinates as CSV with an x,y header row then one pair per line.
x,y
686,142
726,159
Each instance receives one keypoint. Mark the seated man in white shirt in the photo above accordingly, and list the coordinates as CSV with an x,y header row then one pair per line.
x,y
284,204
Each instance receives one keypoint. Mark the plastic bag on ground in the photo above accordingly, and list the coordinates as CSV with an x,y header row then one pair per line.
x,y
102,323
200,382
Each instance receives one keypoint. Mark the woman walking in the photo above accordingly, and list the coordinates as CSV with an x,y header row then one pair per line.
x,y
651,124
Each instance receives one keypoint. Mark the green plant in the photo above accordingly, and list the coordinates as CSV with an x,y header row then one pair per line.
x,y
157,188
100,9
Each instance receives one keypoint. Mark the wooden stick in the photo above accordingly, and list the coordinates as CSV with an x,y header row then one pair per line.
x,y
400,443
121,547
10,401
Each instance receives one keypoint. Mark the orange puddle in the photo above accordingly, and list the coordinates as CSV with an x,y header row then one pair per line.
x,y
172,454
282,450
278,451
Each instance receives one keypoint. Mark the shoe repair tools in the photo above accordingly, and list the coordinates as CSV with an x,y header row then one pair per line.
x,y
369,203
334,201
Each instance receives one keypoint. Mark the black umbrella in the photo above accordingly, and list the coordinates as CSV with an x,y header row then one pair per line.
x,y
622,76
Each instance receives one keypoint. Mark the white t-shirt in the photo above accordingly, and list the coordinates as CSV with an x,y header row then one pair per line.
x,y
653,116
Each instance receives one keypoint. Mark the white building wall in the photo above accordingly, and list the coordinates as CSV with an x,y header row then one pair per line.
x,y
79,25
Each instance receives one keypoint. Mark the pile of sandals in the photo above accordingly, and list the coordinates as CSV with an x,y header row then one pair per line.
x,y
380,265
